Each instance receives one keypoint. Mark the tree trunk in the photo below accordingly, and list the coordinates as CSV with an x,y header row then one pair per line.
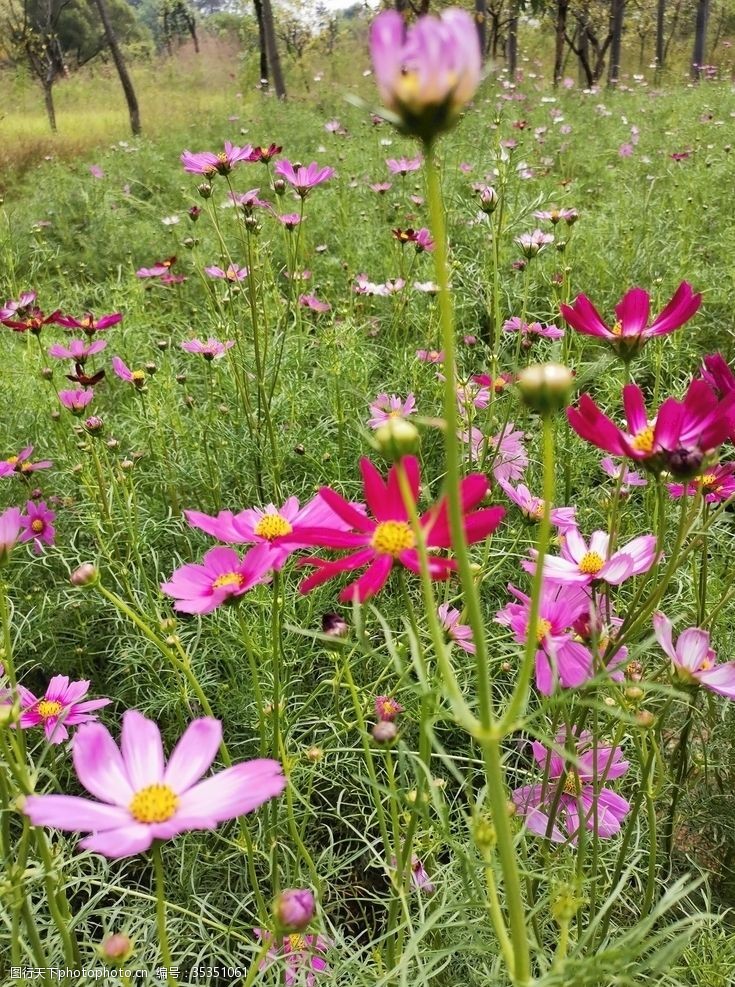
x,y
122,70
481,21
512,47
562,7
617,14
191,24
48,99
262,45
700,38
271,47
660,34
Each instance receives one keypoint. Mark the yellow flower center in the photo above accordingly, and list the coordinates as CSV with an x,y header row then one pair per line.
x,y
48,708
272,526
154,804
86,322
706,480
37,525
297,942
138,375
643,441
542,629
572,784
591,563
707,663
12,460
617,329
227,579
537,512
392,538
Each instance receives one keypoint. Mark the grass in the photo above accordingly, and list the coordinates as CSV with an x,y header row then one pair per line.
x,y
647,220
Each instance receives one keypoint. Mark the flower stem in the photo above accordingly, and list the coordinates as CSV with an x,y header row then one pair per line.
x,y
161,912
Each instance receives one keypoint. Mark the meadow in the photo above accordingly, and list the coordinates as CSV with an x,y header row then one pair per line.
x,y
434,779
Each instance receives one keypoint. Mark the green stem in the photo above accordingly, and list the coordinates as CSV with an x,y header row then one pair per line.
x,y
161,912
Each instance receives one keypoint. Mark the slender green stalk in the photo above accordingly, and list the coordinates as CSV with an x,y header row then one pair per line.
x,y
161,913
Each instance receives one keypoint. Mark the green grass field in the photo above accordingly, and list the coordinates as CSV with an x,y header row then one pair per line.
x,y
285,413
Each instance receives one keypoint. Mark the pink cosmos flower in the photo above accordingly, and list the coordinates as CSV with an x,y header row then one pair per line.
x,y
532,507
531,331
581,564
387,406
77,350
508,454
76,401
387,709
135,377
334,127
18,308
423,240
290,220
625,150
678,439
21,463
59,708
88,323
428,288
210,164
232,274
554,216
380,187
314,303
692,660
402,166
10,528
302,956
461,634
96,172
632,328
38,525
211,350
630,478
141,798
263,526
363,286
430,356
247,201
220,577
159,269
560,658
717,485
31,320
572,789
470,395
386,538
428,72
532,244
303,179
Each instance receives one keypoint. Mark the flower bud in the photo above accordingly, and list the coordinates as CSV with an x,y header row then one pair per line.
x,y
47,373
545,387
334,625
279,186
94,424
85,575
396,438
488,200
294,909
384,732
314,754
205,190
634,693
116,948
645,719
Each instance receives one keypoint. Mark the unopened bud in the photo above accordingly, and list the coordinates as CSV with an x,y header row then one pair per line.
x,y
294,909
314,754
116,948
634,692
545,387
279,186
396,438
488,200
47,373
334,625
645,719
205,190
94,424
85,575
384,732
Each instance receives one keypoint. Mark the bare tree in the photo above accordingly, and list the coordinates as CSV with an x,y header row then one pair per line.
x,y
660,33
31,34
511,44
261,42
481,21
122,70
617,16
271,47
562,10
700,38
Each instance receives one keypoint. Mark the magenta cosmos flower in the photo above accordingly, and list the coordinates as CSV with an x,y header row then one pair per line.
x,y
141,798
314,304
428,72
31,320
38,525
692,659
632,328
619,471
211,350
89,324
402,166
388,406
386,538
60,707
302,956
264,526
159,269
10,528
210,164
461,634
559,658
581,564
123,371
387,709
220,577
21,464
76,401
303,179
532,507
572,789
19,307
532,331
78,350
717,485
716,371
678,439
232,274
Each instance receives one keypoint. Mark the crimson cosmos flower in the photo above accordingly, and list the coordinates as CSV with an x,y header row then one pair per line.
x,y
632,329
386,538
33,321
678,438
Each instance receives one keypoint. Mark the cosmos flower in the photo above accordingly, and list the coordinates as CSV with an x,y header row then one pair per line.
x,y
265,154
581,564
633,328
31,320
508,454
10,529
387,709
60,707
403,166
554,216
388,406
141,798
210,164
314,303
532,507
572,788
461,634
88,323
211,350
303,179
220,577
233,273
135,377
630,478
428,72
692,659
262,526
78,350
380,187
76,401
430,356
247,201
290,220
717,484
21,464
302,956
18,308
532,331
532,244
386,539
159,269
38,525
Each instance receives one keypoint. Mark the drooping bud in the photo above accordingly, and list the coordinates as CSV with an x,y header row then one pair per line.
x,y
334,625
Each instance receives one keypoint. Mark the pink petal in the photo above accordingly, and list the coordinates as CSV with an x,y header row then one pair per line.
x,y
72,813
193,754
99,765
142,751
233,792
123,842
